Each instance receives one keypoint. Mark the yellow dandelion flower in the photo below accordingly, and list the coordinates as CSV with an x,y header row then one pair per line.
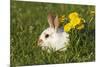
x,y
75,22
62,18
67,27
73,15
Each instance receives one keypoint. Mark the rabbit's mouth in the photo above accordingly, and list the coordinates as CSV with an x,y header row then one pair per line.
x,y
40,41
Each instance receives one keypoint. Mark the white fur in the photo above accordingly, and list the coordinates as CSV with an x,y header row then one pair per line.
x,y
57,39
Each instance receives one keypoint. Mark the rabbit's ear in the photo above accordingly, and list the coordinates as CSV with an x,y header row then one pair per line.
x,y
56,22
51,20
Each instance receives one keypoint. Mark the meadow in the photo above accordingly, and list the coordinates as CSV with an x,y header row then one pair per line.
x,y
29,19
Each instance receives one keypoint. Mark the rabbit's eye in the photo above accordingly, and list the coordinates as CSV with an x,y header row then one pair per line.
x,y
47,35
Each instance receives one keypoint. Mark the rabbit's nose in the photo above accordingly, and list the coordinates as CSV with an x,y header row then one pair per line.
x,y
40,41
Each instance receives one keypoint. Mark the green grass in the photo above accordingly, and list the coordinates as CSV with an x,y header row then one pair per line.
x,y
28,20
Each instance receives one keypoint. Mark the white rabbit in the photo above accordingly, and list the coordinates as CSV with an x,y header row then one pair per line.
x,y
54,37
